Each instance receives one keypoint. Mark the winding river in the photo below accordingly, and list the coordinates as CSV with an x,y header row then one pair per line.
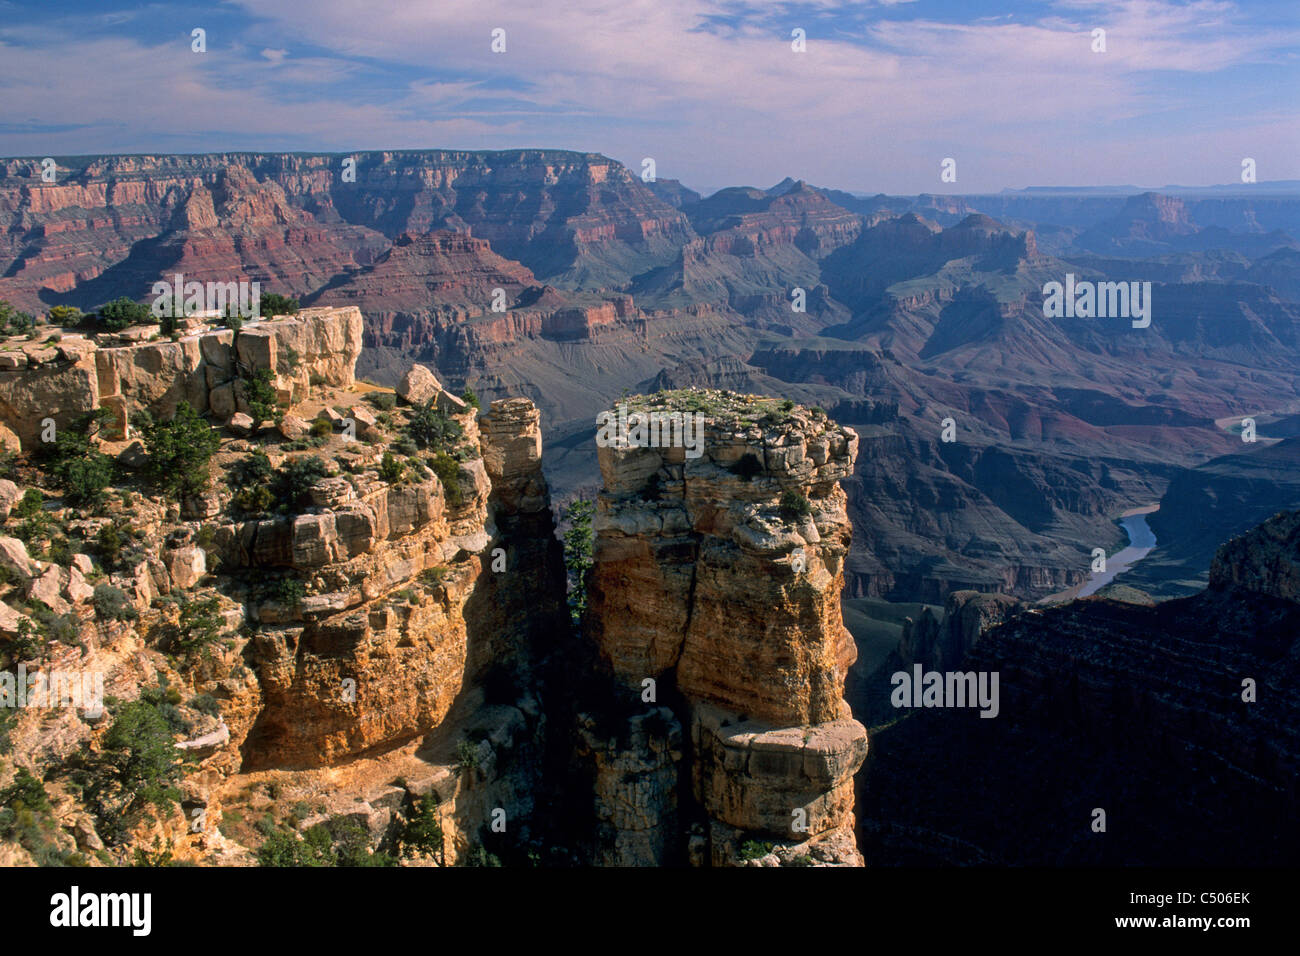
x,y
1141,542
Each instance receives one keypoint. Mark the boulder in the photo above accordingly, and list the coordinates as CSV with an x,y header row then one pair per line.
x,y
10,619
186,565
48,589
331,492
221,400
133,456
293,428
13,556
8,497
241,424
78,591
450,404
418,386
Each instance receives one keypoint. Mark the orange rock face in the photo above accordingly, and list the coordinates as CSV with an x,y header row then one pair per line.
x,y
718,571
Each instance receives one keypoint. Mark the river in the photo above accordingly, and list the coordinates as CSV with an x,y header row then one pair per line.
x,y
1141,542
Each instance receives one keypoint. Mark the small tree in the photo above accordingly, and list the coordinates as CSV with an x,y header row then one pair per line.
x,y
259,392
430,427
292,482
272,303
65,315
578,555
112,604
137,767
423,831
121,313
391,468
794,506
250,478
199,625
78,467
179,450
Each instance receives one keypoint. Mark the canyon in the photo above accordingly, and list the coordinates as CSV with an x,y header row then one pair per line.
x,y
929,305
383,630
395,646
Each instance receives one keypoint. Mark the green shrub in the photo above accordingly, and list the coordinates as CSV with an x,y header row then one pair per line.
x,y
794,506
112,604
384,401
26,818
754,849
469,398
30,505
179,450
65,315
34,523
430,427
578,554
448,471
292,482
199,625
259,392
250,480
466,758
122,312
391,469
336,842
433,577
322,427
423,830
206,704
272,303
287,591
136,767
80,470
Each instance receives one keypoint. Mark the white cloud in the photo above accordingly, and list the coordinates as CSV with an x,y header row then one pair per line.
x,y
1015,103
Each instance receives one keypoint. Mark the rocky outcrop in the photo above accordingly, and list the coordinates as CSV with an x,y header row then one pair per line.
x,y
412,595
1171,718
717,578
943,643
317,346
1265,560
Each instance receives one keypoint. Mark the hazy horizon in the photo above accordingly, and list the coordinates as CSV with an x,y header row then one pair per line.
x,y
710,89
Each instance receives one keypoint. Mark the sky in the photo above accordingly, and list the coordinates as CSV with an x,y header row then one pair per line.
x,y
712,90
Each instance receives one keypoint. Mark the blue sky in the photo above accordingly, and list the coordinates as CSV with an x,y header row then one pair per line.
x,y
711,89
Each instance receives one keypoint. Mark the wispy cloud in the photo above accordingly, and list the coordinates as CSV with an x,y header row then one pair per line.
x,y
711,89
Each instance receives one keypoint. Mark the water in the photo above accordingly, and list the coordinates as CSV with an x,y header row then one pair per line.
x,y
1141,542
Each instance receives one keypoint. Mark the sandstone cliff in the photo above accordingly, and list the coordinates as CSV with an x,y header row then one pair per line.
x,y
203,368
717,580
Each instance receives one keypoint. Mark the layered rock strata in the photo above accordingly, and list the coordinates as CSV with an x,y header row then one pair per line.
x,y
203,368
716,585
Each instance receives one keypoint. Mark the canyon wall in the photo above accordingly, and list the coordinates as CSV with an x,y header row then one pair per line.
x,y
77,374
716,591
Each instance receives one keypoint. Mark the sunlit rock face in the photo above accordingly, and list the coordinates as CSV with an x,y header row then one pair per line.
x,y
718,571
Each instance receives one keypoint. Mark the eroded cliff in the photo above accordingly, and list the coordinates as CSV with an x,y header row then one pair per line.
x,y
715,590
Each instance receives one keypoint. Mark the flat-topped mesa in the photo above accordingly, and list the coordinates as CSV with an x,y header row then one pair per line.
x,y
719,557
739,548
78,374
